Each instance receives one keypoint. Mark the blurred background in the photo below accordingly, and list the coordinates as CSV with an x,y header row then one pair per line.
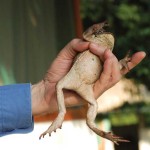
x,y
32,32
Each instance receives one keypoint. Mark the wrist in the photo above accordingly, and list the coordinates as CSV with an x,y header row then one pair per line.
x,y
43,98
37,94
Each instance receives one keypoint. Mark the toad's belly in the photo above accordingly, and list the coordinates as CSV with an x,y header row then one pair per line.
x,y
88,67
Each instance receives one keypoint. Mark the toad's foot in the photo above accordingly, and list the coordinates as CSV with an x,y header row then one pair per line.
x,y
49,131
110,136
54,126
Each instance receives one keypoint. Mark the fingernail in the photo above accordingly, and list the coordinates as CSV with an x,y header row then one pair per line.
x,y
143,54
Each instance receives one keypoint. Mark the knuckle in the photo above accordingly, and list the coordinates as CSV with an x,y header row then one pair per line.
x,y
74,41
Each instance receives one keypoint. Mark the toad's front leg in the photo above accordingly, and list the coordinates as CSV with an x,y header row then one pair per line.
x,y
124,62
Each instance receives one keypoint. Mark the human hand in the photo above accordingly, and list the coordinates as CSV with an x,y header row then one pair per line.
x,y
44,94
111,71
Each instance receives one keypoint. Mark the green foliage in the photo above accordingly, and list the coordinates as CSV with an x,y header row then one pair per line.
x,y
131,114
130,22
128,13
120,119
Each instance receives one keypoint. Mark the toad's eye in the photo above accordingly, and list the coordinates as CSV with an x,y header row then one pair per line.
x,y
94,28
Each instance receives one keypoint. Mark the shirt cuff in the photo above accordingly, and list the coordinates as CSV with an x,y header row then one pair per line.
x,y
15,109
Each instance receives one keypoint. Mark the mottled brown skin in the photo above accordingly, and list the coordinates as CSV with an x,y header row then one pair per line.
x,y
81,77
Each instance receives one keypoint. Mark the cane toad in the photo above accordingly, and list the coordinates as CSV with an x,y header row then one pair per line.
x,y
85,71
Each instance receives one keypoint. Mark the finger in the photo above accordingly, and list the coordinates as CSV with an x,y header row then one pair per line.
x,y
135,60
79,45
65,58
116,75
107,66
101,84
108,59
97,50
115,70
110,74
73,47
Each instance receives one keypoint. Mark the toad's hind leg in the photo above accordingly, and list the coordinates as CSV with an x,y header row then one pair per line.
x,y
86,92
57,123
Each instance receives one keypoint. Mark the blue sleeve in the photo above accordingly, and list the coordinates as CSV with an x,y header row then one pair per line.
x,y
15,109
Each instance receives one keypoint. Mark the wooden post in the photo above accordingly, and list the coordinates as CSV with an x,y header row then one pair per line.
x,y
78,20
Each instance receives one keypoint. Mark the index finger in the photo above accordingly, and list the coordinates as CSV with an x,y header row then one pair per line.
x,y
135,60
98,50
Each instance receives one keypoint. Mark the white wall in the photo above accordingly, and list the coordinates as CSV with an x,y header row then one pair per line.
x,y
74,135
